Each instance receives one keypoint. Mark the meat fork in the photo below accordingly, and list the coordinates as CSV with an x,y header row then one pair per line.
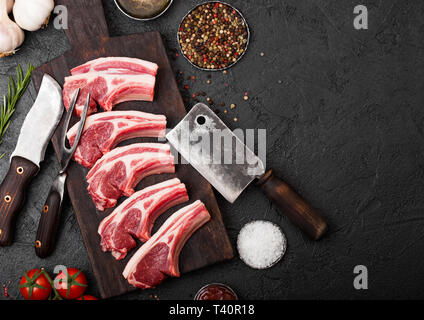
x,y
50,216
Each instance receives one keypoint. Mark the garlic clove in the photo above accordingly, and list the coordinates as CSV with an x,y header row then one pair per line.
x,y
11,36
32,15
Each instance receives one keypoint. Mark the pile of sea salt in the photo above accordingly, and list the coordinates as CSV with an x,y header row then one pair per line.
x,y
261,244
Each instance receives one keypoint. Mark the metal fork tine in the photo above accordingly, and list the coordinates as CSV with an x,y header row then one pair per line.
x,y
66,152
81,125
67,121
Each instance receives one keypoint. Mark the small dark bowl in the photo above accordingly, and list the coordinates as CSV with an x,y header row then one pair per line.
x,y
143,19
196,297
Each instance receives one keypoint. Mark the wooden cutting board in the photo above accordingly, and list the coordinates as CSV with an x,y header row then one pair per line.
x,y
89,38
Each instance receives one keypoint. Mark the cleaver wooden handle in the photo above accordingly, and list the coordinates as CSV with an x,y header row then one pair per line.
x,y
12,195
293,205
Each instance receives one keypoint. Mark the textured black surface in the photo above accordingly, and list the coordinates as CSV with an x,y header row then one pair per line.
x,y
344,114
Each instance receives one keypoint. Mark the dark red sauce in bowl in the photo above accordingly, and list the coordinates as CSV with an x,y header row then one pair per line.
x,y
216,291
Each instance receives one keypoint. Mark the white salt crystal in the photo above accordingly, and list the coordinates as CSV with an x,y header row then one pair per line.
x,y
261,244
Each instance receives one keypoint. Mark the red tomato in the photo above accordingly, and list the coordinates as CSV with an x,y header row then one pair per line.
x,y
34,285
74,286
87,297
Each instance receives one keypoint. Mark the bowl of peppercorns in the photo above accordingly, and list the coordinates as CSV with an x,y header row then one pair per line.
x,y
213,36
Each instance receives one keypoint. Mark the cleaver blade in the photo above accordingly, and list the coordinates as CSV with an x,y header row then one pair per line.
x,y
218,154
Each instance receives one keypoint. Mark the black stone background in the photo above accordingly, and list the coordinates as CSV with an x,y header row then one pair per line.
x,y
344,114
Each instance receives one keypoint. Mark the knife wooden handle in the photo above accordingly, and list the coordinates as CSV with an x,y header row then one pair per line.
x,y
12,195
293,206
49,223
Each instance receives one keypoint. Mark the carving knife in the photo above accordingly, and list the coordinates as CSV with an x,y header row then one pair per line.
x,y
36,132
230,173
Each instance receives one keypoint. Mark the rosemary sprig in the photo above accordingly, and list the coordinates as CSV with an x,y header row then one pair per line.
x,y
14,93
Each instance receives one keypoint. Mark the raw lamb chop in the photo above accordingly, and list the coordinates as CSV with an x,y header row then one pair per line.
x,y
103,131
117,65
137,215
107,89
120,170
158,257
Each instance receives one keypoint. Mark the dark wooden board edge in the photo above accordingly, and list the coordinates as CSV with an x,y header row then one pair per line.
x,y
82,209
86,20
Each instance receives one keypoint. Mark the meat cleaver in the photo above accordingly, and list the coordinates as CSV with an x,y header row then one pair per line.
x,y
230,166
37,129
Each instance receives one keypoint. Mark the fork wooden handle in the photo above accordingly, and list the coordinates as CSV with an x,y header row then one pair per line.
x,y
12,195
49,224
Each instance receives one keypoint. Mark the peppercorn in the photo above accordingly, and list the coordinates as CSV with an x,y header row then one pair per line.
x,y
213,36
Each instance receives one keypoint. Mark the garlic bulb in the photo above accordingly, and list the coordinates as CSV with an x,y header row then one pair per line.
x,y
10,5
32,15
11,36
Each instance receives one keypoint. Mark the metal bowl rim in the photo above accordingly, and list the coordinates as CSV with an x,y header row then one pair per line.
x,y
143,19
238,59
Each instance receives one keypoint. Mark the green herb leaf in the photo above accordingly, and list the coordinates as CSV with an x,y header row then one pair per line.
x,y
14,93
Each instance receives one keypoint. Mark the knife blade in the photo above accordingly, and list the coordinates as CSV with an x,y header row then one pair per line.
x,y
37,129
223,159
